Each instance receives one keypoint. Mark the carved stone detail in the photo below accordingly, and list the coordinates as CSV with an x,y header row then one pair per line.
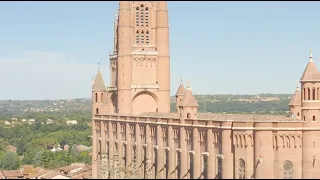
x,y
148,170
104,166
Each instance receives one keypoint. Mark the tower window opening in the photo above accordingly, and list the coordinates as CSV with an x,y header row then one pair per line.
x,y
298,114
137,16
188,115
142,6
317,93
97,111
137,37
304,118
304,93
96,95
309,94
313,118
313,94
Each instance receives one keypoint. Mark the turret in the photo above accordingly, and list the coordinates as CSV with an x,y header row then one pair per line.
x,y
163,59
179,96
310,105
295,103
99,95
310,91
189,106
124,58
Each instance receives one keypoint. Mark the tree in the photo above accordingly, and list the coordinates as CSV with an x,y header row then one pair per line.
x,y
37,158
10,161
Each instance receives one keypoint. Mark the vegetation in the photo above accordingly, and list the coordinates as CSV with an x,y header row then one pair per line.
x,y
34,144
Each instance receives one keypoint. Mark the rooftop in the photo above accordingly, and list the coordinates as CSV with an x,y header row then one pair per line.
x,y
224,117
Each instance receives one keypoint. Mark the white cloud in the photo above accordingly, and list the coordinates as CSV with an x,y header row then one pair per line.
x,y
45,75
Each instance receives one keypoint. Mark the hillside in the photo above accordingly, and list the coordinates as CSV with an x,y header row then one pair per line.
x,y
80,109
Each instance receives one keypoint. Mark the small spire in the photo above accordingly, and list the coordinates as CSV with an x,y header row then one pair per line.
x,y
98,65
181,81
310,56
188,86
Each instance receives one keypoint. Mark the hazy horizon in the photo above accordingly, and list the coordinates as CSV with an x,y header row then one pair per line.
x,y
50,50
170,96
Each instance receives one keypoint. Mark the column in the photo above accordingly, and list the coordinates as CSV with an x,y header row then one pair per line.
x,y
103,137
120,149
197,166
263,150
94,152
171,166
111,143
128,147
148,152
227,162
212,155
138,151
184,154
160,154
250,163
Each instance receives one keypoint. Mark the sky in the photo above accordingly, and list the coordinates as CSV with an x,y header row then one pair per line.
x,y
50,50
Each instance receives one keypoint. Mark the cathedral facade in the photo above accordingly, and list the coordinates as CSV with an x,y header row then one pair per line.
x,y
134,134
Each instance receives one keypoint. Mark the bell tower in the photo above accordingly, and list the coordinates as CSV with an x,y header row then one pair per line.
x,y
140,62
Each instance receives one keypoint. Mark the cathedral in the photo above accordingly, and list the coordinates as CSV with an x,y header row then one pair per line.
x,y
134,134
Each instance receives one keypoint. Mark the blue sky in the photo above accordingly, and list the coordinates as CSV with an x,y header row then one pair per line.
x,y
50,50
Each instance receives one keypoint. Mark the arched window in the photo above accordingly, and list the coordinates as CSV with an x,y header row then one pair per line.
x,y
147,37
137,37
96,97
205,167
304,118
142,37
97,111
313,118
147,17
102,97
137,16
298,114
188,115
304,93
313,94
191,165
134,152
241,169
317,93
287,170
308,93
142,15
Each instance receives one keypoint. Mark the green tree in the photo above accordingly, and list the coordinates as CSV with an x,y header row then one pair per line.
x,y
10,161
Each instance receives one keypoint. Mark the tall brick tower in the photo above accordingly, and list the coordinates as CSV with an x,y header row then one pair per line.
x,y
140,62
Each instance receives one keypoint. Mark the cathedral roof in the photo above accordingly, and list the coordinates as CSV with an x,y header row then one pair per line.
x,y
98,84
189,100
296,98
181,89
311,72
